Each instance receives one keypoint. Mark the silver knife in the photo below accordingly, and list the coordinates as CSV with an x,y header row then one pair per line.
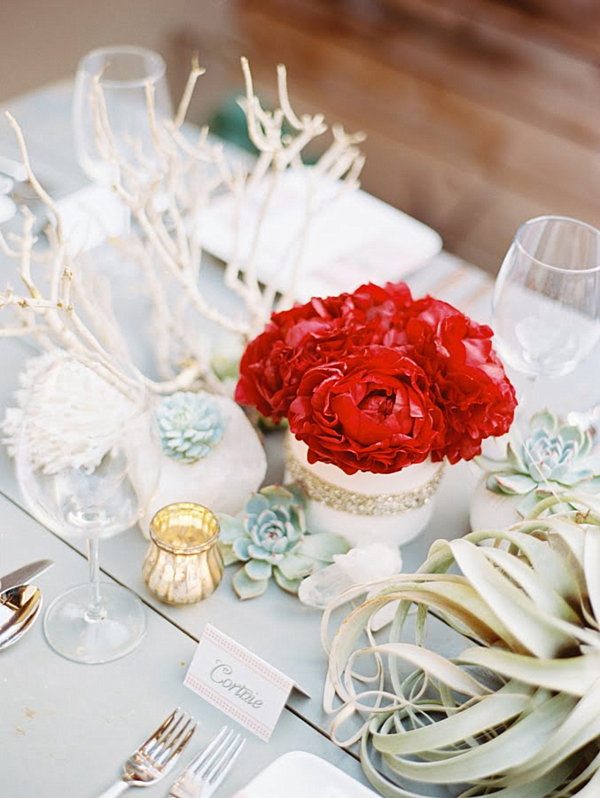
x,y
24,574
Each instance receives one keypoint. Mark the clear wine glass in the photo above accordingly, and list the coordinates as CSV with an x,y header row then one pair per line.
x,y
91,478
124,73
546,302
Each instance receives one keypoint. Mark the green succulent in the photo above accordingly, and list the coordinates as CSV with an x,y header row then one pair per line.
x,y
270,537
189,425
548,460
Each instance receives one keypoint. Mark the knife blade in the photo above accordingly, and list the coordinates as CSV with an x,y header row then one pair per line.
x,y
24,574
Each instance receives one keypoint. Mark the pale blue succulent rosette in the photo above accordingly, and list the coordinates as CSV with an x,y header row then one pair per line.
x,y
270,537
190,425
548,459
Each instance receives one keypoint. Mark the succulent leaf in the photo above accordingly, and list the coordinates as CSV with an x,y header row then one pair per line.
x,y
271,538
289,585
247,588
297,566
323,546
258,570
230,528
190,425
550,459
241,548
518,484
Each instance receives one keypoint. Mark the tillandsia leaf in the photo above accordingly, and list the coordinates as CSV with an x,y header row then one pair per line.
x,y
538,788
533,583
538,632
481,716
246,588
521,742
572,675
591,568
527,598
436,666
592,787
581,726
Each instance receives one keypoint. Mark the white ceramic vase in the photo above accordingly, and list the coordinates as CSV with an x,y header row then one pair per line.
x,y
490,510
364,508
221,481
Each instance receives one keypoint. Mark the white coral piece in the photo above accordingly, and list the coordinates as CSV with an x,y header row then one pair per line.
x,y
73,413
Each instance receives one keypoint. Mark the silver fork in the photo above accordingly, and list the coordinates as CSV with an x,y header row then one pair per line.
x,y
157,755
208,768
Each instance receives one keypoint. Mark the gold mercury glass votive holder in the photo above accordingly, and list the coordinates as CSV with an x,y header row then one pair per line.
x,y
183,563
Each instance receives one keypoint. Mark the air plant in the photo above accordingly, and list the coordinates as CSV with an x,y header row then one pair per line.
x,y
513,710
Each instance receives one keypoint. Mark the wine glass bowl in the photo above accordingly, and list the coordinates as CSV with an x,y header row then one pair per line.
x,y
89,478
546,301
123,74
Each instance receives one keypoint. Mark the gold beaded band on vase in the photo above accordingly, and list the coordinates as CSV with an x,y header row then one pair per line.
x,y
320,490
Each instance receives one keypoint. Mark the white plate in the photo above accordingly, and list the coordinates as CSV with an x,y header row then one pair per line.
x,y
298,774
353,237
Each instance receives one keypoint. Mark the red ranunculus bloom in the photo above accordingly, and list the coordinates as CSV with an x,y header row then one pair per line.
x,y
370,412
468,379
306,335
375,381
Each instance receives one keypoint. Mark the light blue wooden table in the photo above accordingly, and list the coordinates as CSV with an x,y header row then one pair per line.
x,y
65,727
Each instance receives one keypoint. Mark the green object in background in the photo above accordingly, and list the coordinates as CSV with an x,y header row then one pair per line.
x,y
228,122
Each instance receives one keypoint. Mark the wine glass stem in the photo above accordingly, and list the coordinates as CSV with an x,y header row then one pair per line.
x,y
526,404
95,611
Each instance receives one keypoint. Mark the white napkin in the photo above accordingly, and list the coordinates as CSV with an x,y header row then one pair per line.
x,y
90,216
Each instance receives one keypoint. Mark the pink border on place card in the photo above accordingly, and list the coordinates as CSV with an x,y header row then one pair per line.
x,y
272,686
248,658
228,707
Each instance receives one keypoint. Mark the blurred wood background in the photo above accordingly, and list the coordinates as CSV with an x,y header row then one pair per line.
x,y
479,113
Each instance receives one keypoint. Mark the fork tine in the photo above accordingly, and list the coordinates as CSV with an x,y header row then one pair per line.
x,y
200,759
177,736
158,732
222,767
157,739
176,751
215,754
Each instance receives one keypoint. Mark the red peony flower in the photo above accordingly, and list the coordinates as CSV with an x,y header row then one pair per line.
x,y
306,335
375,381
371,411
468,379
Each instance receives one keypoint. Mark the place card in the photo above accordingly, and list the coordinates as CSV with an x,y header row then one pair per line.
x,y
239,683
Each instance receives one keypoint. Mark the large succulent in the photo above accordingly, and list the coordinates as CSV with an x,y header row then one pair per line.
x,y
190,425
548,460
271,539
507,703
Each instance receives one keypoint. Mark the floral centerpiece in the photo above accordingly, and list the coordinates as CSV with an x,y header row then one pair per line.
x,y
374,381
